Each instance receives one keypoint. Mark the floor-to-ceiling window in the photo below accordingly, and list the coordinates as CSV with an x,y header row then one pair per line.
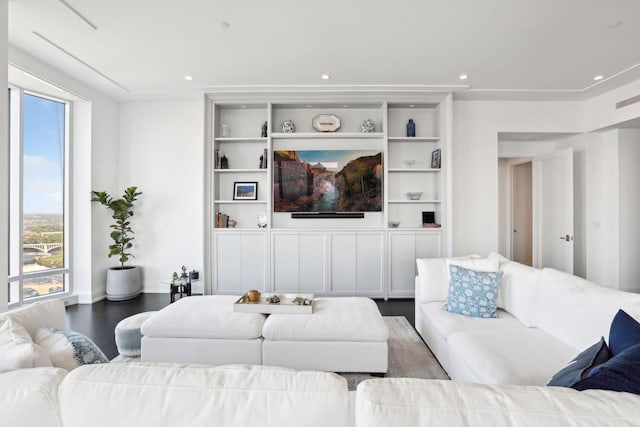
x,y
38,196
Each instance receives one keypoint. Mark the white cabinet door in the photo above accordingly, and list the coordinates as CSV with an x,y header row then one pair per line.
x,y
240,262
286,266
312,258
343,262
404,248
369,263
299,260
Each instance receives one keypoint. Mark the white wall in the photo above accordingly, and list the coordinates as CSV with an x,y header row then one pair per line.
x,y
161,152
629,230
95,142
476,125
4,160
601,112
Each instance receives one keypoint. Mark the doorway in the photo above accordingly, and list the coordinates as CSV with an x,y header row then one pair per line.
x,y
522,213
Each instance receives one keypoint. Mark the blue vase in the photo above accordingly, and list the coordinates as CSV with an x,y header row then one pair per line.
x,y
411,128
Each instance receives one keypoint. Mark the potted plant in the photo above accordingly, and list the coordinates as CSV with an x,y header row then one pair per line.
x,y
123,282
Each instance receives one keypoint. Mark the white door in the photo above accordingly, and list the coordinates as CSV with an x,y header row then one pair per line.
x,y
554,178
521,200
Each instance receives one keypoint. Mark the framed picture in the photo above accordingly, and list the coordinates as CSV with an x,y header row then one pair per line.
x,y
245,191
435,159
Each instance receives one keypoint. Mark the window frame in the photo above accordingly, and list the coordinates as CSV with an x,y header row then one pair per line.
x,y
16,274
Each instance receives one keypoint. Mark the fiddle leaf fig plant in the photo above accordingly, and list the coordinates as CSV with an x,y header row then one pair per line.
x,y
121,212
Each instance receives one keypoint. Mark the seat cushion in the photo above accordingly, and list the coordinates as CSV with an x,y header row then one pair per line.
x,y
333,319
209,316
446,323
525,356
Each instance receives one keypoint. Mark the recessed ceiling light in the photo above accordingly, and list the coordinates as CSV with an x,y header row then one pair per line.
x,y
463,77
243,106
326,76
598,77
224,25
345,106
411,105
188,78
309,105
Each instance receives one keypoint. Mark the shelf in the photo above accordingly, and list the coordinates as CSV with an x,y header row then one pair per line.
x,y
325,135
414,170
414,138
256,170
242,202
414,201
241,139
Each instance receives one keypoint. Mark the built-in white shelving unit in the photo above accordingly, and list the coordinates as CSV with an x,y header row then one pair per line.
x,y
337,256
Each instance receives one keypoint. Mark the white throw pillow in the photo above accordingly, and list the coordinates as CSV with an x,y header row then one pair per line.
x,y
433,278
17,349
479,264
69,349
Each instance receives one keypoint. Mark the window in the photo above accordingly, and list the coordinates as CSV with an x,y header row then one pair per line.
x,y
38,196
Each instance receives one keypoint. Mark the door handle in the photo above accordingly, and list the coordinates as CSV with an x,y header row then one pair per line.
x,y
566,238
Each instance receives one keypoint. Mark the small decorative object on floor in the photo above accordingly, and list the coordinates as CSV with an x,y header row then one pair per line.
x,y
262,219
180,286
411,128
253,295
287,126
367,126
263,131
274,299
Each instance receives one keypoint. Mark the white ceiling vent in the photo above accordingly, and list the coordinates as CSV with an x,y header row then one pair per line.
x,y
628,101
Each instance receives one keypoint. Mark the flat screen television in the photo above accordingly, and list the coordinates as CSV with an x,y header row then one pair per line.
x,y
327,181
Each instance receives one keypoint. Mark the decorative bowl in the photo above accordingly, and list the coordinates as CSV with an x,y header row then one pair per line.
x,y
409,163
414,195
394,224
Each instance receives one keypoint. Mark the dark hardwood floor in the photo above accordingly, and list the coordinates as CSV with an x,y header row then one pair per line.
x,y
98,321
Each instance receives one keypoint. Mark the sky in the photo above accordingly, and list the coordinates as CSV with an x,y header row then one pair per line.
x,y
333,160
43,151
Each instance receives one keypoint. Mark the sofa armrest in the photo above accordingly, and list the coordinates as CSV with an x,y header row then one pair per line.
x,y
412,402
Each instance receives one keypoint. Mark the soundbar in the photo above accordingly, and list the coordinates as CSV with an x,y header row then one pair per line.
x,y
307,215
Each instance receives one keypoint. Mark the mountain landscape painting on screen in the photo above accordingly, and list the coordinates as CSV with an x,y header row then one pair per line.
x,y
327,181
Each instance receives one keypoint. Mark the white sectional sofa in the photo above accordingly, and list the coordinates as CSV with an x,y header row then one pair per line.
x,y
545,318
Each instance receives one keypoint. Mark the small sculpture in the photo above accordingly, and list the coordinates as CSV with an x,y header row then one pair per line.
x,y
274,299
224,163
263,132
302,301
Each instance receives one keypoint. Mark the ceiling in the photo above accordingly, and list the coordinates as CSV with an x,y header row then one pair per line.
x,y
526,49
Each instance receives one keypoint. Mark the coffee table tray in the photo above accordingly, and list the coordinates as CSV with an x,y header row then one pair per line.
x,y
286,305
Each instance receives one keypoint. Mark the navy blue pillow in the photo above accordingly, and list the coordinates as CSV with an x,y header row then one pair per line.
x,y
624,333
581,365
620,373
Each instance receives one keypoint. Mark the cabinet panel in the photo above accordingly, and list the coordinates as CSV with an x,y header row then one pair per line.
x,y
240,262
313,260
285,262
343,262
369,263
428,245
402,257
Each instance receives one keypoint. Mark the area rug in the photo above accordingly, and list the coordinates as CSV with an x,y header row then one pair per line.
x,y
409,357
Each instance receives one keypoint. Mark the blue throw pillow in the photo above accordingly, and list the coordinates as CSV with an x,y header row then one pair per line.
x,y
473,293
624,333
581,366
620,373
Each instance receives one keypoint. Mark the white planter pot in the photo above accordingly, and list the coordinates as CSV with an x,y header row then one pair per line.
x,y
123,284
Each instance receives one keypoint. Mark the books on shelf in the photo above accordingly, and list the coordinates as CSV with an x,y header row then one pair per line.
x,y
263,159
222,220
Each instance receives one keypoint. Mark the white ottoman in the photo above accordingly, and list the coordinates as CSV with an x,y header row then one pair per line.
x,y
128,335
203,329
341,335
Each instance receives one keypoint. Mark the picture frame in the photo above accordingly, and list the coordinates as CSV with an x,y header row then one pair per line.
x,y
435,159
243,190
